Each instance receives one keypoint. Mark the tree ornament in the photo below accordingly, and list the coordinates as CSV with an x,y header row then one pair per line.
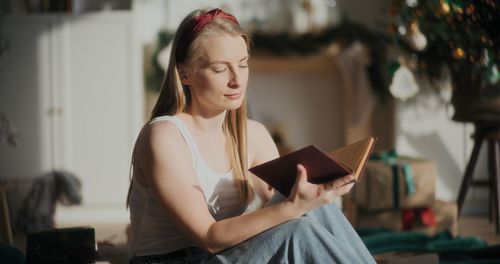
x,y
485,58
412,3
402,30
416,38
493,75
403,84
445,7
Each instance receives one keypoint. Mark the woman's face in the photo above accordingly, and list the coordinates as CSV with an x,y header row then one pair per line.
x,y
218,80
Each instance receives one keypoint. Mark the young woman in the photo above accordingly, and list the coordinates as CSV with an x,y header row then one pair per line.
x,y
192,198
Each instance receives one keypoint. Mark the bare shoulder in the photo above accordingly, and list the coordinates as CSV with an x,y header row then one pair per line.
x,y
159,135
256,129
162,145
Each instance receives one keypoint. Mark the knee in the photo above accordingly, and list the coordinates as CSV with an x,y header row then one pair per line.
x,y
303,225
325,213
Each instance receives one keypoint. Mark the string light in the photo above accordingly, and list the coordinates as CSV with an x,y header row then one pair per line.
x,y
458,53
484,39
471,59
414,26
469,10
445,7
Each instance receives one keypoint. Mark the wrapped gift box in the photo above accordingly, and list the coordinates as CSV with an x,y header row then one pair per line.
x,y
404,183
390,219
64,245
444,214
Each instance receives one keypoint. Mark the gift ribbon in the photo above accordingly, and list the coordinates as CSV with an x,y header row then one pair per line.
x,y
410,184
390,158
395,186
425,215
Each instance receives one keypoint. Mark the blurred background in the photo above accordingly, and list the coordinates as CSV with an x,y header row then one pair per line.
x,y
78,79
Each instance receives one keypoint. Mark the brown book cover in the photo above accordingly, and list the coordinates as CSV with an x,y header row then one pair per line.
x,y
321,167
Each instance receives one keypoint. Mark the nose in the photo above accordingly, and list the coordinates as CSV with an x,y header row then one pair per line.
x,y
235,81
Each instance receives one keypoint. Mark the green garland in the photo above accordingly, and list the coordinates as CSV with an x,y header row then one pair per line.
x,y
285,44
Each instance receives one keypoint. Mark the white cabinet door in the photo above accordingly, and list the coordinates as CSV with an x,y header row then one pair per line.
x,y
67,84
98,108
24,96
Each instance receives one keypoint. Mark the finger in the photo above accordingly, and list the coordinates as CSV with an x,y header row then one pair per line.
x,y
349,178
337,183
344,189
301,173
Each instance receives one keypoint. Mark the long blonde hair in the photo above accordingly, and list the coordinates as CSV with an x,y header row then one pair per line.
x,y
174,98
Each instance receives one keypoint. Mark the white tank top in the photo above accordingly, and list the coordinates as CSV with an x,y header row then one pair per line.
x,y
153,232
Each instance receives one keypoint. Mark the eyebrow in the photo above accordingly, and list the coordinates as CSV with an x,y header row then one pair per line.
x,y
214,62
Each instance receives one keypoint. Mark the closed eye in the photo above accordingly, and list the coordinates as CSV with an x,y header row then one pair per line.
x,y
219,69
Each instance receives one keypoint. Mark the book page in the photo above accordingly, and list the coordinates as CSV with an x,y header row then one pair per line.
x,y
354,156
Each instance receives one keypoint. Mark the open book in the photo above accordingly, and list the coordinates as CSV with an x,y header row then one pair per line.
x,y
321,167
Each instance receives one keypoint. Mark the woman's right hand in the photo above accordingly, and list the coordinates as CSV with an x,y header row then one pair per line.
x,y
306,196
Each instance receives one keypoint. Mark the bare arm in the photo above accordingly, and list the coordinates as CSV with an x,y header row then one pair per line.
x,y
261,148
166,164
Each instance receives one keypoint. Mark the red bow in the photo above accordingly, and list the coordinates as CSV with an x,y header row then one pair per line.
x,y
425,215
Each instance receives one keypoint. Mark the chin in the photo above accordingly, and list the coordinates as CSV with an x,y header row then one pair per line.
x,y
233,105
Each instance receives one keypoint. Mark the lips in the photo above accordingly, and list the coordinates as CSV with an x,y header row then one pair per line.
x,y
233,95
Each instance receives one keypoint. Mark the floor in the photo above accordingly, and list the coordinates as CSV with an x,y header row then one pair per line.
x,y
478,226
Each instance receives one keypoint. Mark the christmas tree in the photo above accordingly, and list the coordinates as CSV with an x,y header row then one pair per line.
x,y
458,35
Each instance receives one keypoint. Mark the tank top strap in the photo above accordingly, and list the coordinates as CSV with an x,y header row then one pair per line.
x,y
186,134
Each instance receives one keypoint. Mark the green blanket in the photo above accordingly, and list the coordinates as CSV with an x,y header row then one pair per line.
x,y
450,249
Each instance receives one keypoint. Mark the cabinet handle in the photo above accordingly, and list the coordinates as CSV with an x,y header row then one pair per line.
x,y
4,45
56,110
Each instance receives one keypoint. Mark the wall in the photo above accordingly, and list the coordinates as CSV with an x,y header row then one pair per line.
x,y
305,108
424,129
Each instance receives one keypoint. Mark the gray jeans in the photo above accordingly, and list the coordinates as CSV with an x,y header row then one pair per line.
x,y
321,236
